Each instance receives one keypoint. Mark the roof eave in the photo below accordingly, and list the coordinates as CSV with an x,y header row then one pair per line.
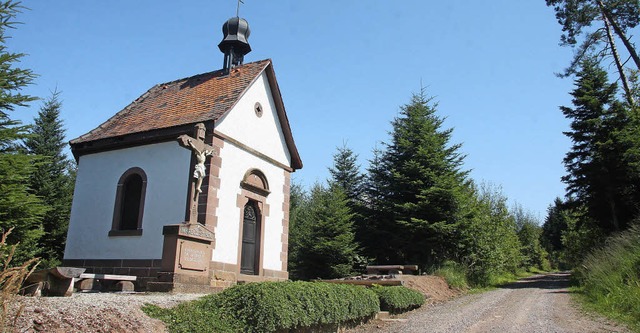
x,y
296,161
79,149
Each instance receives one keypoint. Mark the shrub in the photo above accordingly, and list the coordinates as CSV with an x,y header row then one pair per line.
x,y
398,299
610,277
272,306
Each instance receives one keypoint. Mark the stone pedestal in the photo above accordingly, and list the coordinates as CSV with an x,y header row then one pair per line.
x,y
186,256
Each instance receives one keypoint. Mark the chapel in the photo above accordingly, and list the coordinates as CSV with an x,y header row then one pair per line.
x,y
187,188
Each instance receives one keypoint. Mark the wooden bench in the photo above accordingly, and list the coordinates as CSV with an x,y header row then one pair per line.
x,y
93,281
57,281
391,269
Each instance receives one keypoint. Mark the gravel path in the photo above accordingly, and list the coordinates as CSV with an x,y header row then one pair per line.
x,y
94,312
537,304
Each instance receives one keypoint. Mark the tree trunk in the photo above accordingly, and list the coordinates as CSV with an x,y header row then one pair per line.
x,y
620,33
616,57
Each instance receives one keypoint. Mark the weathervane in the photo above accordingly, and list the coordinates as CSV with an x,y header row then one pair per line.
x,y
238,8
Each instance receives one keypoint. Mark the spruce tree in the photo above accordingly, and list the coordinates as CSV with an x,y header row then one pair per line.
x,y
19,208
52,180
422,181
555,223
601,173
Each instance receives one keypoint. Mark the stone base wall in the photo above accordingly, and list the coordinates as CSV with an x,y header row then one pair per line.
x,y
226,275
145,269
148,271
183,283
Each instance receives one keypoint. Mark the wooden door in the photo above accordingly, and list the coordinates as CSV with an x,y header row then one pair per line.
x,y
250,239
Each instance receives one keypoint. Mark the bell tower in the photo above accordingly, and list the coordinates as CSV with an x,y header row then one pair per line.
x,y
235,42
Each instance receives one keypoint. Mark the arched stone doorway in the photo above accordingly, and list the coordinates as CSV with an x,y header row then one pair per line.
x,y
252,201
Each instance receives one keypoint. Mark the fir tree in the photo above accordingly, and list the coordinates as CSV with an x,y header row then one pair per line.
x,y
421,181
298,230
346,175
51,181
327,248
19,209
376,234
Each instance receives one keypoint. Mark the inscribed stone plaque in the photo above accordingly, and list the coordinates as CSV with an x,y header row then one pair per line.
x,y
193,256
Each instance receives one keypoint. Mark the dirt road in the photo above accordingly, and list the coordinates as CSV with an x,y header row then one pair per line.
x,y
537,304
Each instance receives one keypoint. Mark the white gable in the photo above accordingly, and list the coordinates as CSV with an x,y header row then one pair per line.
x,y
264,133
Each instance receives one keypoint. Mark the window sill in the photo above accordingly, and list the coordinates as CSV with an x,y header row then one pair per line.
x,y
137,232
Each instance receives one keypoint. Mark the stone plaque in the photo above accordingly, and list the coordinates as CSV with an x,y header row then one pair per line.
x,y
193,256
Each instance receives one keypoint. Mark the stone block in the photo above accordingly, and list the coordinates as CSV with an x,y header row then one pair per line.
x,y
226,276
125,286
88,284
121,271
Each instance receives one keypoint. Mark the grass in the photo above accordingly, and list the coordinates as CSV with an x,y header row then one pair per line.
x,y
609,279
455,275
11,279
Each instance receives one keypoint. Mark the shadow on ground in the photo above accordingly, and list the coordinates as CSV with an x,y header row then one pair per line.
x,y
553,281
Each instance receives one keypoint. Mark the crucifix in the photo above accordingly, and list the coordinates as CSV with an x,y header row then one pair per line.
x,y
200,150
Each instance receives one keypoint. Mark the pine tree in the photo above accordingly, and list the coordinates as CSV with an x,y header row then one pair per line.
x,y
598,23
601,174
19,209
421,181
51,181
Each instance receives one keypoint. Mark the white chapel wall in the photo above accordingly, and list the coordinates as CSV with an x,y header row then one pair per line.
x,y
235,163
167,168
264,133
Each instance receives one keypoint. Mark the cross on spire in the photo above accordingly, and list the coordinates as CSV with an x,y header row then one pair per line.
x,y
238,8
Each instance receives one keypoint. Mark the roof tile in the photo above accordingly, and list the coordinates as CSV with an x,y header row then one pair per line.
x,y
198,98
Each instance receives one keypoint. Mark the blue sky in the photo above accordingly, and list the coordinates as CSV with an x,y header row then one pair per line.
x,y
344,69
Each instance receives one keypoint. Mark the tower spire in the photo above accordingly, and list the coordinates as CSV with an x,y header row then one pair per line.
x,y
235,42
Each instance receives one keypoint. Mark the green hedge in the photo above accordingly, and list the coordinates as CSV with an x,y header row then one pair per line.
x,y
271,306
398,299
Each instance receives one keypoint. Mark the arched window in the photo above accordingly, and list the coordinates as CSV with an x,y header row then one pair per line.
x,y
129,206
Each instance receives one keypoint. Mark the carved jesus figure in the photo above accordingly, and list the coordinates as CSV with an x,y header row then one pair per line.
x,y
199,172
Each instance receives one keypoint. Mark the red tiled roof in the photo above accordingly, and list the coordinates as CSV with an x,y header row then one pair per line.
x,y
199,98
